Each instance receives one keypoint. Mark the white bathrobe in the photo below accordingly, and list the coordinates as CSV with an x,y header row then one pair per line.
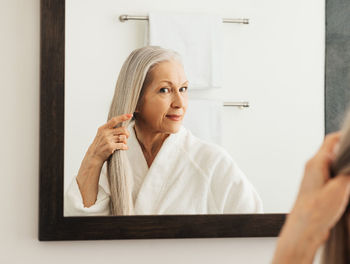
x,y
188,176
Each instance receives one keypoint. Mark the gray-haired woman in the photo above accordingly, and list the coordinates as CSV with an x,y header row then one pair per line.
x,y
154,164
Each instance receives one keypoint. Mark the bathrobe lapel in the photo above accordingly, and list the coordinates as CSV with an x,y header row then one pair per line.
x,y
154,179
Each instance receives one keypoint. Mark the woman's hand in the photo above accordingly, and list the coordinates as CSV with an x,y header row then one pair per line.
x,y
320,204
107,140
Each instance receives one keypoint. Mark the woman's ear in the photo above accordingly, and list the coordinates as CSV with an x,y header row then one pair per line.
x,y
136,113
138,106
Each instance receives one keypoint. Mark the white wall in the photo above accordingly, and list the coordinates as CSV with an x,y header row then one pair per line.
x,y
19,160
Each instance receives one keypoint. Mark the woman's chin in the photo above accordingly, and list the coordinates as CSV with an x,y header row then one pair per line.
x,y
174,128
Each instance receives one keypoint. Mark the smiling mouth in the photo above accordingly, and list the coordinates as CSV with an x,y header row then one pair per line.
x,y
174,117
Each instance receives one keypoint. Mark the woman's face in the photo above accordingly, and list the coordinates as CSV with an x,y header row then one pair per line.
x,y
164,101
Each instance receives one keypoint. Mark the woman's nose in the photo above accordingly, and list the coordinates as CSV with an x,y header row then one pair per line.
x,y
178,100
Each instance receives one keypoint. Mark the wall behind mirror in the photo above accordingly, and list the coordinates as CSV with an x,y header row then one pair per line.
x,y
276,63
337,68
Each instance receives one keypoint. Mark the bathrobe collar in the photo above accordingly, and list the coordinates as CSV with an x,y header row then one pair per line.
x,y
149,182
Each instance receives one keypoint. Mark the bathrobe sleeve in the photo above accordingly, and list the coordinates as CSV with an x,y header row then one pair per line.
x,y
73,201
231,190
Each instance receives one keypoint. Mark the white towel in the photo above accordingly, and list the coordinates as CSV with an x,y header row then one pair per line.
x,y
197,38
204,119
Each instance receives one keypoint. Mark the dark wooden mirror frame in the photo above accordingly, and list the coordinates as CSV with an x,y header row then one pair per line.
x,y
52,224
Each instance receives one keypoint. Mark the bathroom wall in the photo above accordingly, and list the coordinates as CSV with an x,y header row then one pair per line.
x,y
19,159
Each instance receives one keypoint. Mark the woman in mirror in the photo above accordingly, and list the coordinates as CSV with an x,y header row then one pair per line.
x,y
321,213
153,165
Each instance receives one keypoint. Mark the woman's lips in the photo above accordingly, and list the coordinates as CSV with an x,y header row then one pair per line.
x,y
174,117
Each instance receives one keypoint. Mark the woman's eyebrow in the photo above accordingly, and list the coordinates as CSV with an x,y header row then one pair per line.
x,y
169,82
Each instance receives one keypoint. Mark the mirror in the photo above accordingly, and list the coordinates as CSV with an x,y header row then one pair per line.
x,y
264,17
276,63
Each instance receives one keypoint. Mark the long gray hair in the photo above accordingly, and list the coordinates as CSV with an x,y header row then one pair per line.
x,y
337,248
133,77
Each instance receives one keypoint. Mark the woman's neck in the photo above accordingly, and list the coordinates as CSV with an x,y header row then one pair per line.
x,y
150,141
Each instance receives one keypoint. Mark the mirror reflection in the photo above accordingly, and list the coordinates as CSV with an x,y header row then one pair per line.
x,y
156,165
181,150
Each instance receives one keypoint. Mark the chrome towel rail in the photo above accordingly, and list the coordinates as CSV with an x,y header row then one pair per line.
x,y
237,104
124,18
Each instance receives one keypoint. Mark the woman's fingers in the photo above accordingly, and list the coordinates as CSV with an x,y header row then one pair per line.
x,y
325,154
109,139
329,142
316,171
114,142
111,147
317,168
119,139
116,120
121,146
120,131
113,132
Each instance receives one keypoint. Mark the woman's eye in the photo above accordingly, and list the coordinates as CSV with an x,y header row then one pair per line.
x,y
183,89
164,90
